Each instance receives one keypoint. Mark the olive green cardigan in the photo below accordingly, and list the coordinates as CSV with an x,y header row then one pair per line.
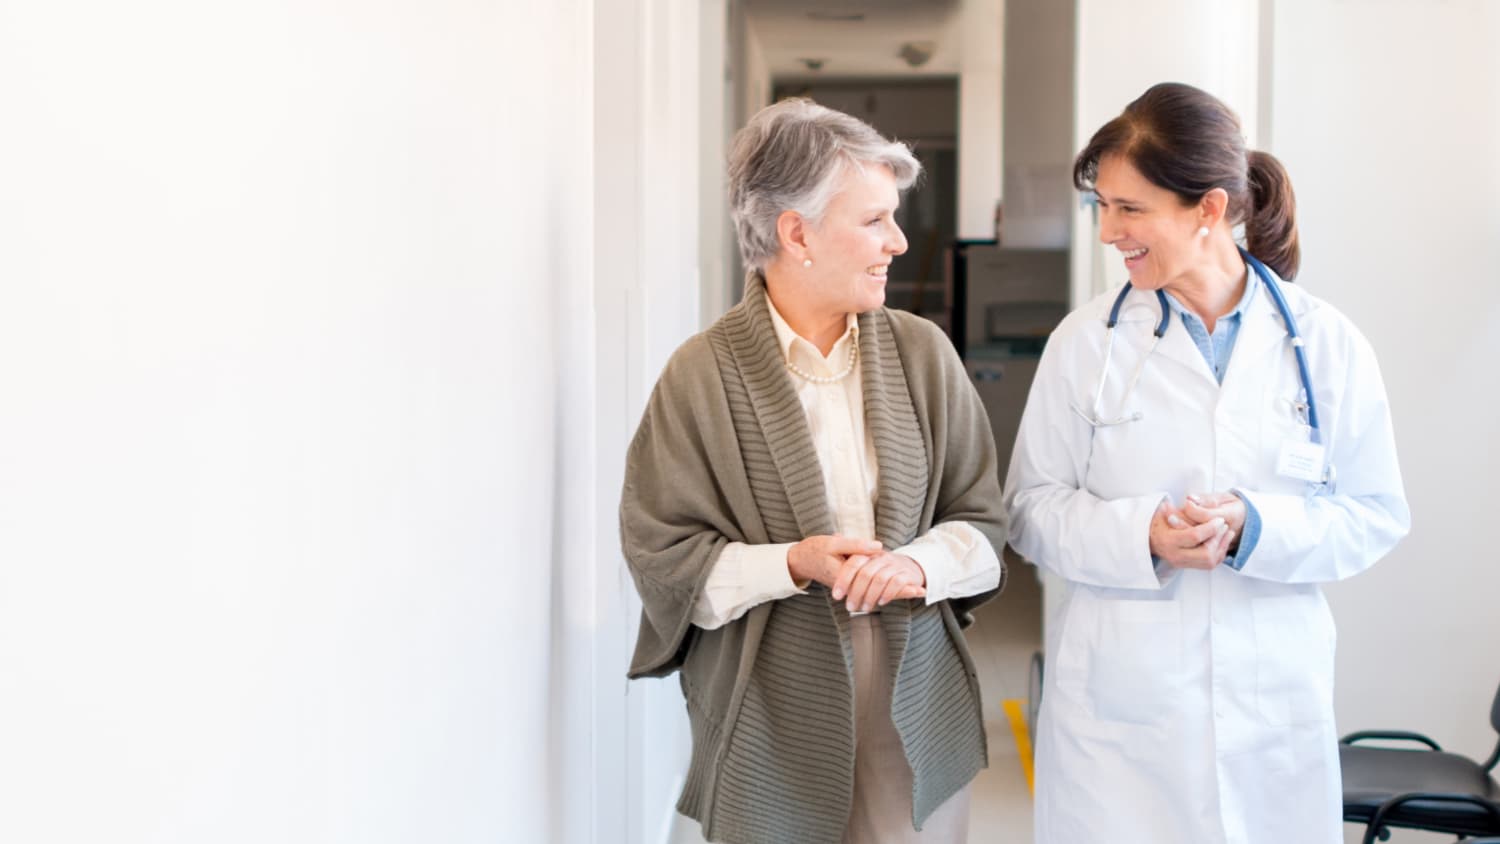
x,y
723,454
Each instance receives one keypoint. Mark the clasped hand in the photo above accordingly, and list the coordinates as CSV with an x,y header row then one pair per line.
x,y
857,569
1200,533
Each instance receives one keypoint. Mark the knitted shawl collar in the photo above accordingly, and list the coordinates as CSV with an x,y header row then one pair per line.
x,y
756,362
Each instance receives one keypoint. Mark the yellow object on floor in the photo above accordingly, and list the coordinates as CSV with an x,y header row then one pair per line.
x,y
1015,712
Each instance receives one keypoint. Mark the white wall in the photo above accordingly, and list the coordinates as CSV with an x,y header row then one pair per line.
x,y
321,331
980,83
1125,48
716,244
748,87
1037,116
649,95
753,85
1395,167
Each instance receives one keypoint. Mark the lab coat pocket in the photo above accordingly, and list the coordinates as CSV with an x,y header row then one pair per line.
x,y
1135,664
1284,427
1294,645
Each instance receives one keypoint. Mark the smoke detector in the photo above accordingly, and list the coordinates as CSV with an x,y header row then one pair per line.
x,y
916,53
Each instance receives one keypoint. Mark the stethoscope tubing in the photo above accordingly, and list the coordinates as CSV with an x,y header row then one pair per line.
x,y
1295,337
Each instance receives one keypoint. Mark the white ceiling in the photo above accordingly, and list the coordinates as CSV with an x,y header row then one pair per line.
x,y
789,31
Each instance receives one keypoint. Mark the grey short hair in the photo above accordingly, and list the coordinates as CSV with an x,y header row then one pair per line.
x,y
790,157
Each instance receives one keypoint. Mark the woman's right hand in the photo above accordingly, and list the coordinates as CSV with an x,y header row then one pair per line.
x,y
1186,545
821,558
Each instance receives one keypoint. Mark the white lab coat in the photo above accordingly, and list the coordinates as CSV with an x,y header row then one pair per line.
x,y
1193,706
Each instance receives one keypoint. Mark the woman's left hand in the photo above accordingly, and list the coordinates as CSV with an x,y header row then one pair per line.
x,y
1201,508
878,580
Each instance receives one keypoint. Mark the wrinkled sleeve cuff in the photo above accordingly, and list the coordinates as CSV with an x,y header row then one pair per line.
x,y
1249,535
743,577
957,560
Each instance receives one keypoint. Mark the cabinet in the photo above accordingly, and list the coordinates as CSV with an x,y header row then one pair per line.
x,y
1003,383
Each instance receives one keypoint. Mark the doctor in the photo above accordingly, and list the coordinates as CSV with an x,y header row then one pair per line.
x,y
1201,448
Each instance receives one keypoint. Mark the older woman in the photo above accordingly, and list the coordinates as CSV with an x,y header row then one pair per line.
x,y
811,509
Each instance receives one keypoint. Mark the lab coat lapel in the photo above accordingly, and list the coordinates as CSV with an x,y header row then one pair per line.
x,y
1178,346
1261,331
1140,316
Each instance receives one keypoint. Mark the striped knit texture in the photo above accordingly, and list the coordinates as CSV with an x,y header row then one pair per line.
x,y
784,772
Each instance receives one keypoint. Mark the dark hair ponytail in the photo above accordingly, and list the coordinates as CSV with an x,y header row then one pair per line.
x,y
1187,141
1271,227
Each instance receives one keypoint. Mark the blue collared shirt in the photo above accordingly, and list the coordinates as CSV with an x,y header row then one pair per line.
x,y
1216,348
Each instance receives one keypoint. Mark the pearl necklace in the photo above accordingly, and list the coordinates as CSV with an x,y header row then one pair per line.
x,y
829,379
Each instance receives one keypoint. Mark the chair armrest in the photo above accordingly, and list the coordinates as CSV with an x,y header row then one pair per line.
x,y
1377,820
1489,764
1389,735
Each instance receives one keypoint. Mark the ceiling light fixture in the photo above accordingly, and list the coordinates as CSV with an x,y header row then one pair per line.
x,y
836,17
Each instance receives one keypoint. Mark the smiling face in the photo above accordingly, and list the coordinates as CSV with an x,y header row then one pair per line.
x,y
1150,226
853,244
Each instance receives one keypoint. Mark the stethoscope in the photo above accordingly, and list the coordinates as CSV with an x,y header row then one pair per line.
x,y
1306,407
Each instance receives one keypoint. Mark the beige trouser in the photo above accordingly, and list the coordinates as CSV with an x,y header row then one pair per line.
x,y
881,813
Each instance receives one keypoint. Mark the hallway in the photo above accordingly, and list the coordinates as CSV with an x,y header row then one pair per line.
x,y
1005,634
324,328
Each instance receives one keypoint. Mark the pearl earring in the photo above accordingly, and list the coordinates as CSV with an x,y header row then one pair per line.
x,y
1203,231
807,262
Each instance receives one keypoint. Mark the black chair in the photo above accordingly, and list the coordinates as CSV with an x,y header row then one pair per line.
x,y
1428,789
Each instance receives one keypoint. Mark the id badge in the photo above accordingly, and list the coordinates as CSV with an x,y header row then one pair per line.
x,y
1301,461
